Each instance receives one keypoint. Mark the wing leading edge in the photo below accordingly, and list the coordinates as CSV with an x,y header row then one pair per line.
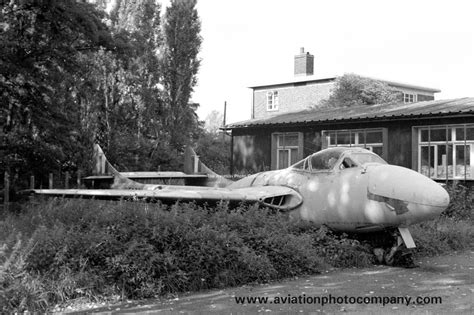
x,y
277,197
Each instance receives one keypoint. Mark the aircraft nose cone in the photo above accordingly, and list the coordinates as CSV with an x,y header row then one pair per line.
x,y
428,198
434,195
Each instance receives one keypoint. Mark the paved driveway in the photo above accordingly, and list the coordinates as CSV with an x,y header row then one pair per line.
x,y
372,290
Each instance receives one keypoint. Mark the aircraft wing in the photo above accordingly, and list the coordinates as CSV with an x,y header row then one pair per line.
x,y
277,197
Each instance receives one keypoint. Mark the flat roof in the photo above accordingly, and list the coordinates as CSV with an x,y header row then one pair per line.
x,y
365,112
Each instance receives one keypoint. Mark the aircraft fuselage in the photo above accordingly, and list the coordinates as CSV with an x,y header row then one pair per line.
x,y
359,198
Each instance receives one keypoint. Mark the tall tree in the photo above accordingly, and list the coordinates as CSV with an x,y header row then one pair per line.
x,y
128,120
67,79
352,89
180,65
38,57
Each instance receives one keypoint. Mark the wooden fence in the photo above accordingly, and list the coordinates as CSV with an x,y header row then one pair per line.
x,y
63,181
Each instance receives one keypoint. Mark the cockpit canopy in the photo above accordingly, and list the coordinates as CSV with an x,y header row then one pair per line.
x,y
338,157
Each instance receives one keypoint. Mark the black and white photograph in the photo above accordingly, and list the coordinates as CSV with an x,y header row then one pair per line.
x,y
236,157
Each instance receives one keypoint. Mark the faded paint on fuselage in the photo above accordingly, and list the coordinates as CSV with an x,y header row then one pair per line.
x,y
363,197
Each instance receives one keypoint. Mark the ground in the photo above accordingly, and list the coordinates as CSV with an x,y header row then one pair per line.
x,y
450,277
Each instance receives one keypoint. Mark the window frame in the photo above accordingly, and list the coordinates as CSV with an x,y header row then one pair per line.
x,y
450,141
272,100
412,98
325,134
276,148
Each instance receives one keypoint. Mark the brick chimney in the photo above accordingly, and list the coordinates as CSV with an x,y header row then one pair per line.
x,y
304,63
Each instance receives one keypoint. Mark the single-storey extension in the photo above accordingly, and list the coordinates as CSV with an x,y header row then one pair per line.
x,y
435,138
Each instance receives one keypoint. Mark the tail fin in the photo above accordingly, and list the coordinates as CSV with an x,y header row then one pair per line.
x,y
193,165
103,167
101,164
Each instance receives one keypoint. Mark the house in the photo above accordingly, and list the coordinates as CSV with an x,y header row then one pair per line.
x,y
306,90
433,137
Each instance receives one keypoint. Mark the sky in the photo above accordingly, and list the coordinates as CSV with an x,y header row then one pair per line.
x,y
252,42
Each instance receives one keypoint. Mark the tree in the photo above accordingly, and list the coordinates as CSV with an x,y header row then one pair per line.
x,y
351,90
133,106
214,151
213,121
38,59
180,65
70,75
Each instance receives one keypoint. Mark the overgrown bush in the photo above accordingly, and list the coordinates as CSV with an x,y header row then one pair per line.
x,y
442,235
453,229
461,205
18,288
60,250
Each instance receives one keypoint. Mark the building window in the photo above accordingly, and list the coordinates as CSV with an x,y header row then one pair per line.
x,y
288,149
409,98
371,139
272,100
446,152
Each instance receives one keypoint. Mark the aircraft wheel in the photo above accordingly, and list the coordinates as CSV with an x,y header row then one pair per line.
x,y
390,256
397,255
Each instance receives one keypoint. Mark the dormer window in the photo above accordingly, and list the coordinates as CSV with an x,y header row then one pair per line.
x,y
409,98
272,100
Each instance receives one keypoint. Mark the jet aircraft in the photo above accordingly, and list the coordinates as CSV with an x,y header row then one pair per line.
x,y
348,189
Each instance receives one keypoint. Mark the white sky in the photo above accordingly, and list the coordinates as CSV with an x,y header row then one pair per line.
x,y
248,42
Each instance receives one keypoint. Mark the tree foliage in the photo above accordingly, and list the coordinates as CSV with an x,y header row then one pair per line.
x,y
214,150
213,145
213,121
180,66
351,90
131,128
40,43
71,75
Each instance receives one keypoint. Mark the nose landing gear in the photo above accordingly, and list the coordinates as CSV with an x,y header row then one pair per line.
x,y
398,254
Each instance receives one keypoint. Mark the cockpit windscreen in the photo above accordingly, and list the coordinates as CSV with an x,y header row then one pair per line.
x,y
320,161
362,158
326,159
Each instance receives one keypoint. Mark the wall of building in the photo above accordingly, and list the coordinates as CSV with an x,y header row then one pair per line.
x,y
304,95
251,152
422,95
295,97
398,149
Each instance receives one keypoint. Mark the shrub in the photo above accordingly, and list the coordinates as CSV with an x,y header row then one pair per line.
x,y
461,205
18,288
452,230
90,249
442,235
58,250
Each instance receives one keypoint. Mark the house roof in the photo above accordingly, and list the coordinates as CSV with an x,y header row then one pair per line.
x,y
365,112
297,79
320,79
409,86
